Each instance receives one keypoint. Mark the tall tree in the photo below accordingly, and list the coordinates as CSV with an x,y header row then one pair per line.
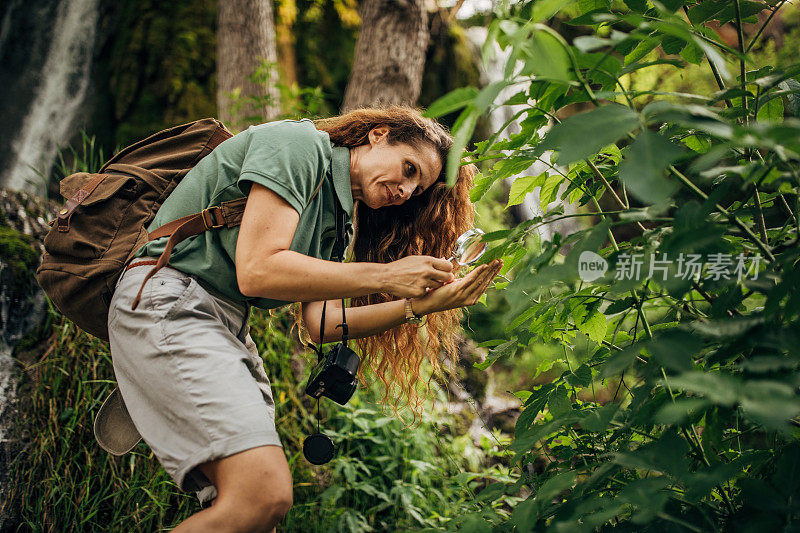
x,y
245,39
390,54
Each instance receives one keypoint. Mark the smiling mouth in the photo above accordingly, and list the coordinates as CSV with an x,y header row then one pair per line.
x,y
389,197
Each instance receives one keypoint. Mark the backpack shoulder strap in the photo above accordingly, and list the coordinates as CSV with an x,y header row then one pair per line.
x,y
226,215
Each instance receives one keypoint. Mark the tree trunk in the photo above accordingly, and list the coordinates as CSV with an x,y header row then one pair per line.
x,y
390,54
245,39
285,45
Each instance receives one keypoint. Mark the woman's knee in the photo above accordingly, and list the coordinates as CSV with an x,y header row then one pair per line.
x,y
254,487
275,504
258,512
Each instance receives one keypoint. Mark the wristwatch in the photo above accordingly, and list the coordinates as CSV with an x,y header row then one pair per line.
x,y
412,318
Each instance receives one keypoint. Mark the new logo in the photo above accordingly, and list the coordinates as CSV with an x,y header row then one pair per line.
x,y
591,266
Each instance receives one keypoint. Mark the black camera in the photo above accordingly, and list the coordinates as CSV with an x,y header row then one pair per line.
x,y
335,375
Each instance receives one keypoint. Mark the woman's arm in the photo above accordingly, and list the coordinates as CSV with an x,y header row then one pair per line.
x,y
374,319
265,267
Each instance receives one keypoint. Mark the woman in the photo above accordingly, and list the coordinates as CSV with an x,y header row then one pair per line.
x,y
187,369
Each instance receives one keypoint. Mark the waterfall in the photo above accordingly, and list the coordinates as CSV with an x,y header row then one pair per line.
x,y
530,207
62,85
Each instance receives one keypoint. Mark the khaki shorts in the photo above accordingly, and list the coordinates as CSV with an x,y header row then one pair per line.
x,y
189,373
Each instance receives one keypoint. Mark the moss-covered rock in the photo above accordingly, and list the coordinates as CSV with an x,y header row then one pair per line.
x,y
18,253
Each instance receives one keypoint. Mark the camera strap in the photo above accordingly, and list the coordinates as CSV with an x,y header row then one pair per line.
x,y
336,255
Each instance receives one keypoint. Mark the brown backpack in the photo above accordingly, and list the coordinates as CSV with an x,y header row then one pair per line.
x,y
104,220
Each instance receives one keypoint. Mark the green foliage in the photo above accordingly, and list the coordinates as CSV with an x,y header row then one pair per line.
x,y
294,102
388,477
678,404
384,475
156,69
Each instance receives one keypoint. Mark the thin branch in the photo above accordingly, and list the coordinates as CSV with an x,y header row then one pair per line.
x,y
733,218
766,23
714,70
742,69
762,228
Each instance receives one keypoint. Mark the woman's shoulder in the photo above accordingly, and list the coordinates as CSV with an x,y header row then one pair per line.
x,y
299,134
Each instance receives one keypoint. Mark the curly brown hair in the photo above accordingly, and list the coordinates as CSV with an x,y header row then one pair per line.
x,y
427,224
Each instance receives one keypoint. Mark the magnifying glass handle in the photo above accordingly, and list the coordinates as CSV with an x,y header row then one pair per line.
x,y
456,266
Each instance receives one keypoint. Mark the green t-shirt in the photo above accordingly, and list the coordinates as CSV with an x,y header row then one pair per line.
x,y
290,157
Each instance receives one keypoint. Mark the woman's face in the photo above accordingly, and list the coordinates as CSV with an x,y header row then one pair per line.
x,y
383,174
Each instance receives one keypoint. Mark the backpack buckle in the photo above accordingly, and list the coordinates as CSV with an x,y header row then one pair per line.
x,y
209,220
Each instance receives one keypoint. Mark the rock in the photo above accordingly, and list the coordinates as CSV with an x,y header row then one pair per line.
x,y
23,305
26,214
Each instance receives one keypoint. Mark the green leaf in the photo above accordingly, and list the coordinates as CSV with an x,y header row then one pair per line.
x,y
588,19
491,492
714,57
588,43
697,143
692,53
648,496
522,318
772,110
480,186
523,395
580,377
527,439
505,349
488,94
620,361
642,49
768,363
524,516
510,167
639,6
594,324
544,9
520,98
537,400
583,135
704,480
599,419
559,403
473,523
642,170
672,5
452,101
673,349
620,306
770,404
550,186
681,410
672,44
522,186
724,328
719,388
723,10
667,454
547,58
462,132
555,486
584,6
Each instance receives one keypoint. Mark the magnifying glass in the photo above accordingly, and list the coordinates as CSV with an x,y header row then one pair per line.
x,y
468,247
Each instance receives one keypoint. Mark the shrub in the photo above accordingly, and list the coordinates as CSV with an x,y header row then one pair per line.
x,y
678,406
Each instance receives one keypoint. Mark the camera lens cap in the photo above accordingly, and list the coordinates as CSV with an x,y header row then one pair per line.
x,y
318,449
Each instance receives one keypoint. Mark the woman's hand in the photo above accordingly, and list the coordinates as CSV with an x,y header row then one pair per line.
x,y
413,276
460,293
